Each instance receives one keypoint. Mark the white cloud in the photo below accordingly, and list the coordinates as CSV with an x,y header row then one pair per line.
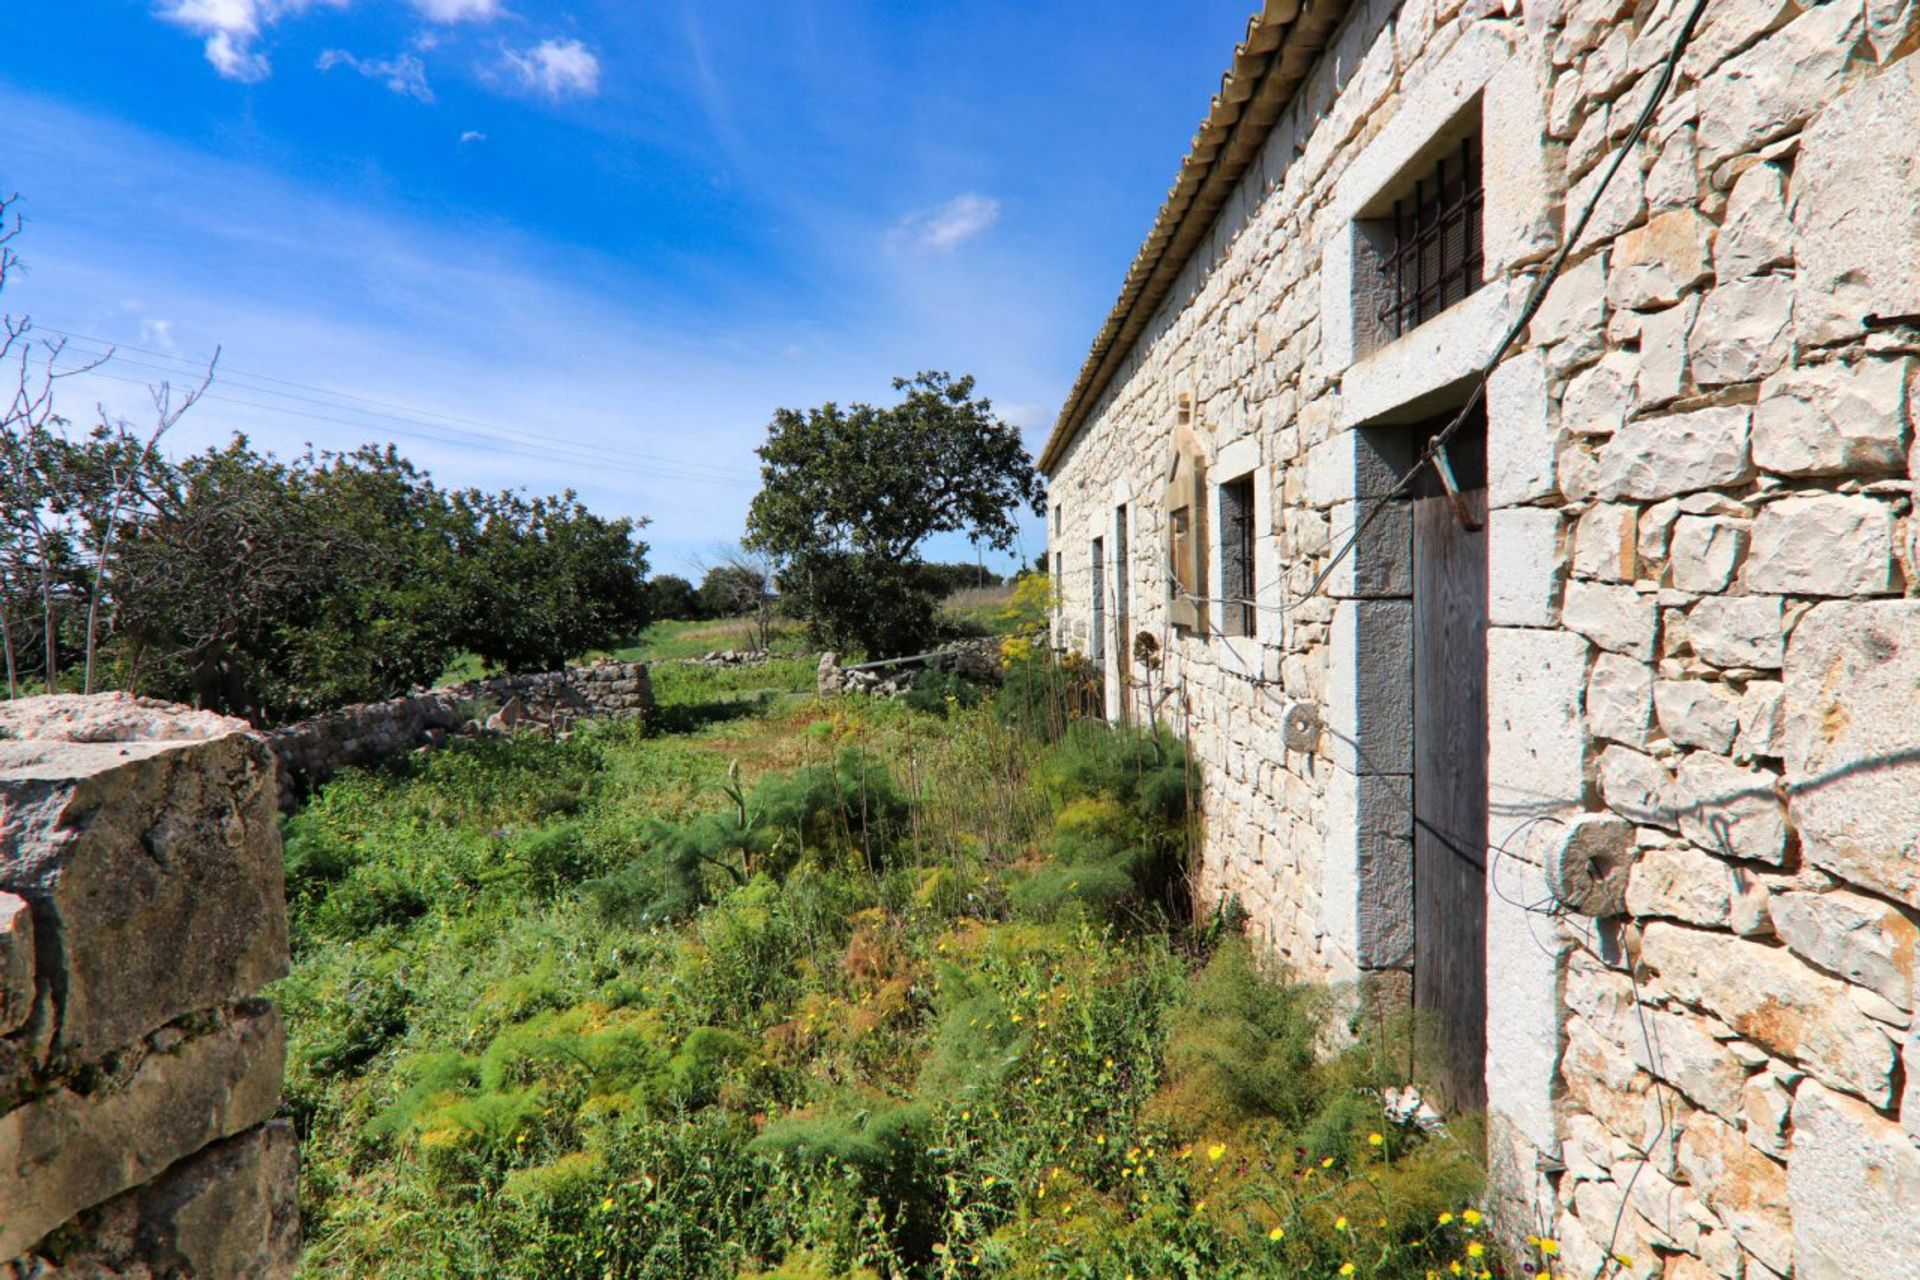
x,y
472,136
556,68
459,10
403,74
232,26
946,227
157,333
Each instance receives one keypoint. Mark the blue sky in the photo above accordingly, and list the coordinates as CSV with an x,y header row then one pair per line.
x,y
589,246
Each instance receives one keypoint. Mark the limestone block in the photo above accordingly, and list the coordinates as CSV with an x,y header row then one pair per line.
x,y
1519,178
1745,1188
1763,719
1731,27
1680,883
1852,1184
1822,545
1697,713
1670,454
1653,265
1854,784
1622,205
1738,631
1606,542
1597,399
1617,618
1743,332
1773,87
1856,207
1755,233
1682,1049
147,841
1862,939
1524,566
1575,308
16,962
1731,809
1522,441
229,1212
1775,1001
1523,1013
1620,699
1638,788
1706,552
1766,1104
1370,673
1536,745
1663,352
64,1152
1832,419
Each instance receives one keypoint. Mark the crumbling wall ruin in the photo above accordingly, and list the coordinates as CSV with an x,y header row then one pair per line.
x,y
142,910
313,750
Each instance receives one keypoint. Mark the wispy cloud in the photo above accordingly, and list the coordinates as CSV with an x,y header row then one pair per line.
x,y
459,10
946,227
556,69
472,136
231,28
403,73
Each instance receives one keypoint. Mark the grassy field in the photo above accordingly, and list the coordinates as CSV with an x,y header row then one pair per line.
x,y
811,988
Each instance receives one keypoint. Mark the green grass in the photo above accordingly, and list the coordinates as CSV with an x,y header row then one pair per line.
x,y
816,988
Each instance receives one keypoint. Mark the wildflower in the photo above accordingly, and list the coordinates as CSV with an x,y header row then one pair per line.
x,y
1549,1247
1476,1250
1375,1140
1340,1223
1445,1218
1278,1233
1346,1268
1471,1217
1217,1150
606,1206
1327,1163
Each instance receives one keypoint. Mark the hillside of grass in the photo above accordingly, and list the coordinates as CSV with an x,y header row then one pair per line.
x,y
806,988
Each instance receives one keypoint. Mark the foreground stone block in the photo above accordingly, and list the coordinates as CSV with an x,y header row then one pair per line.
x,y
1862,939
1829,545
1853,1181
1834,419
145,839
1853,775
229,1213
65,1152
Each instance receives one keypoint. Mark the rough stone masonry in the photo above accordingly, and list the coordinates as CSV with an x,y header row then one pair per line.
x,y
1703,646
142,909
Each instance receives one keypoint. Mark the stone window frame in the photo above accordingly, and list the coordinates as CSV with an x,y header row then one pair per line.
x,y
1187,576
1237,461
1121,505
1481,84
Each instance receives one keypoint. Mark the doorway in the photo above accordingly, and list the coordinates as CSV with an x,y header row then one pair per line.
x,y
1449,563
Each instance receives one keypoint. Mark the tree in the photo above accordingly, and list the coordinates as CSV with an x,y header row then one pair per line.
x,y
741,586
671,596
545,580
850,495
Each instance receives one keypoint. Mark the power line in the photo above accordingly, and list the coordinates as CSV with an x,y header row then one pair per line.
x,y
413,413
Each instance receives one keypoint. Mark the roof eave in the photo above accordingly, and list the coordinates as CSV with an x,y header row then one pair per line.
x,y
1283,40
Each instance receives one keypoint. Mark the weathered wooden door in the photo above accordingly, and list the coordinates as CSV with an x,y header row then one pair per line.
x,y
1450,764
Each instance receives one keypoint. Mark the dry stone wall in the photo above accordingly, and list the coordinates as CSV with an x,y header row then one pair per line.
x,y
142,909
1704,665
315,749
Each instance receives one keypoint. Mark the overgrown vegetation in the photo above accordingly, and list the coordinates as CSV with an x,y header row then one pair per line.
x,y
826,989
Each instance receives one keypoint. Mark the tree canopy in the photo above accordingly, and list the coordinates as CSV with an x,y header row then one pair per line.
x,y
849,496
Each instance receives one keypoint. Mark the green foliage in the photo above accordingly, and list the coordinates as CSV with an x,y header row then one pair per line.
x,y
1041,694
850,495
274,589
672,597
940,692
860,1043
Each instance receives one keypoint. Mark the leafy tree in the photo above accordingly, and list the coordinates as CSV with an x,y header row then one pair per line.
x,y
544,579
671,596
730,590
850,495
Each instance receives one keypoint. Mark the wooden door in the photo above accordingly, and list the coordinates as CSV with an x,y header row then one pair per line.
x,y
1450,766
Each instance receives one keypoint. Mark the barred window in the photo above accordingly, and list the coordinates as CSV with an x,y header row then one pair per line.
x,y
1237,543
1434,256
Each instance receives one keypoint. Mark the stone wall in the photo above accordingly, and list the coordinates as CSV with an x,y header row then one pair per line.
x,y
315,749
1704,662
142,909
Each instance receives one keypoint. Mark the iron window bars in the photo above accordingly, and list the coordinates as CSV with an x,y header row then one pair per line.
x,y
1437,258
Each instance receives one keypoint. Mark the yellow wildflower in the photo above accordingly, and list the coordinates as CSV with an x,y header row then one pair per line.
x,y
1278,1233
1471,1217
1445,1218
1374,1139
1549,1247
1217,1150
1476,1250
1346,1268
1340,1223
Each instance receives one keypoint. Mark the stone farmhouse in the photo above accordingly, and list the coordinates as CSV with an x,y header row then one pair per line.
x,y
1499,466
